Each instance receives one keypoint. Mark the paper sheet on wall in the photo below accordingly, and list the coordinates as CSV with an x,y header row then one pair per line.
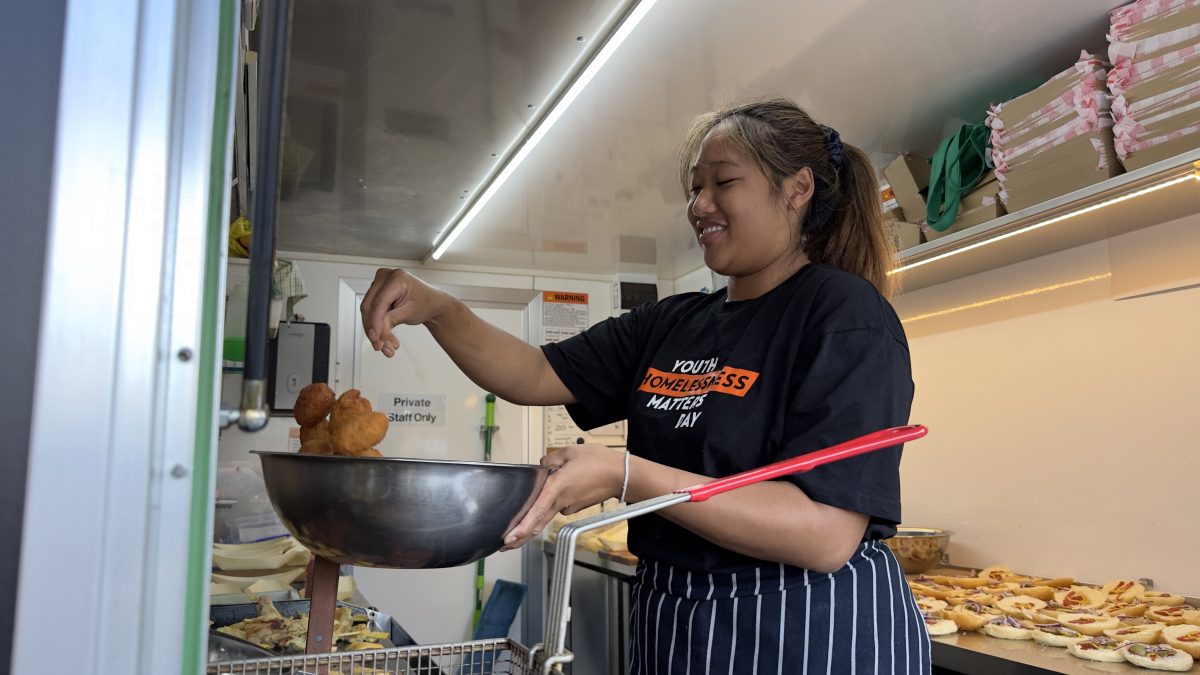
x,y
565,315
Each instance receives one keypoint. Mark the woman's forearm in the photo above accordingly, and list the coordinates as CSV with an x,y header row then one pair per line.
x,y
494,359
773,520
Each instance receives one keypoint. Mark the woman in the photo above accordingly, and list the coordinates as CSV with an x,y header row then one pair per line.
x,y
801,351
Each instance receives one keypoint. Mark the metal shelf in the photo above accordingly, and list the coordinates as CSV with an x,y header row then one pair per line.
x,y
1027,234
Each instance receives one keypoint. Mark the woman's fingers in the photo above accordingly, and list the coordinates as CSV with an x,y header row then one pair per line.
x,y
584,475
382,305
369,302
542,512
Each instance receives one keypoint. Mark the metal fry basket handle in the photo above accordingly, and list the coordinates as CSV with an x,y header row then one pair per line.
x,y
553,651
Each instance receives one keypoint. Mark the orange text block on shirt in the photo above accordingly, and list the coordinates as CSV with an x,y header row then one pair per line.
x,y
727,380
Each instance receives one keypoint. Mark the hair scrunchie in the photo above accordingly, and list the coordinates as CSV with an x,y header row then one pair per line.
x,y
833,145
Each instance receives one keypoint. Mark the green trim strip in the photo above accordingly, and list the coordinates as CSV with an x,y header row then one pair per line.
x,y
199,545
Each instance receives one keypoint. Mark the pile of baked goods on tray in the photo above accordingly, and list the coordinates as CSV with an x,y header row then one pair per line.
x,y
1117,622
274,631
352,429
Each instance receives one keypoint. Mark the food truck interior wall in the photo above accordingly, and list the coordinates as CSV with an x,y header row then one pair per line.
x,y
31,37
1056,390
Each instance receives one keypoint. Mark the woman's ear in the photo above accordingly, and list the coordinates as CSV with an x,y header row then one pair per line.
x,y
798,189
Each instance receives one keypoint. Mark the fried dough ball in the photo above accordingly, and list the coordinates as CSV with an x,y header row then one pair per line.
x,y
353,435
369,452
348,405
313,404
320,446
318,432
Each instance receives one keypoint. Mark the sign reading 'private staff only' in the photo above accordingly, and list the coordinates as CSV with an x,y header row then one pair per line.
x,y
414,410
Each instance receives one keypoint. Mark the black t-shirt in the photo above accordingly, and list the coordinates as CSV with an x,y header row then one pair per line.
x,y
717,387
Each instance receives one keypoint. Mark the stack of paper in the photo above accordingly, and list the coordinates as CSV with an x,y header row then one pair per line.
x,y
1057,138
1154,46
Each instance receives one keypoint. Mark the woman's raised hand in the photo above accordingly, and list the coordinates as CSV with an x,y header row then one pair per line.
x,y
397,297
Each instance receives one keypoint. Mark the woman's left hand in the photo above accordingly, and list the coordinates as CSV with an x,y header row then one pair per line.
x,y
584,475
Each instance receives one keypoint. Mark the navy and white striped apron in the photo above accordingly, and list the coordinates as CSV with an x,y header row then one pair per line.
x,y
775,620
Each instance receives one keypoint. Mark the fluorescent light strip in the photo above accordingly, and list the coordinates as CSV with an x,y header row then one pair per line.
x,y
1006,298
456,227
1051,221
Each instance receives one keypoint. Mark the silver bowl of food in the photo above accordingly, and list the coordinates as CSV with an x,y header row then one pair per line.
x,y
399,513
919,549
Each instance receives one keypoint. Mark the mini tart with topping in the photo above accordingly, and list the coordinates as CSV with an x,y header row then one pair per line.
x,y
937,626
932,590
1054,582
1158,657
1083,597
961,582
970,596
1147,633
1100,648
999,588
1126,590
1089,624
1124,608
1172,615
1055,635
931,605
1045,593
1019,606
969,615
996,573
1161,598
1008,628
1184,637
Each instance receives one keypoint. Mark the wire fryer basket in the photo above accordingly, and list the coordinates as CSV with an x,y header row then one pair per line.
x,y
482,657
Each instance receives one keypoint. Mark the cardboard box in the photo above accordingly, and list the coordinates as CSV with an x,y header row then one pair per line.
x,y
1157,153
986,191
905,235
909,178
969,219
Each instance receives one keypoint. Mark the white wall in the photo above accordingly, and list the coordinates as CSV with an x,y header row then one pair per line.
x,y
322,275
1062,423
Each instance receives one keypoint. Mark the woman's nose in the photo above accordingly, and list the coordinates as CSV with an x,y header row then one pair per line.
x,y
701,205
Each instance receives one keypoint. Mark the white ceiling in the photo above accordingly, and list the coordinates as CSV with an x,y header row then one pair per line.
x,y
425,91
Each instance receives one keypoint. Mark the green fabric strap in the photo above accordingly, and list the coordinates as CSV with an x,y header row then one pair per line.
x,y
957,167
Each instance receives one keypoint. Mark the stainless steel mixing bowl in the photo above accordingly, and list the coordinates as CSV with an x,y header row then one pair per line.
x,y
400,513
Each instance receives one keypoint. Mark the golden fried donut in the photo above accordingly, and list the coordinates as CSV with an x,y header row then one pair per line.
x,y
320,446
318,432
349,404
313,404
354,435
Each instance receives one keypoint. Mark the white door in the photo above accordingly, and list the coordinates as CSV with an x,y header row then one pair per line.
x,y
436,606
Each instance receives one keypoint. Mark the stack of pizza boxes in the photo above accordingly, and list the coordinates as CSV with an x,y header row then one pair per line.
x,y
1154,46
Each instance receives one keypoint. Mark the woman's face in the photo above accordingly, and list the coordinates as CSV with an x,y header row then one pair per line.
x,y
744,226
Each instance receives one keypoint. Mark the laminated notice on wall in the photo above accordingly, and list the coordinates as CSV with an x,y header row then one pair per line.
x,y
565,315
